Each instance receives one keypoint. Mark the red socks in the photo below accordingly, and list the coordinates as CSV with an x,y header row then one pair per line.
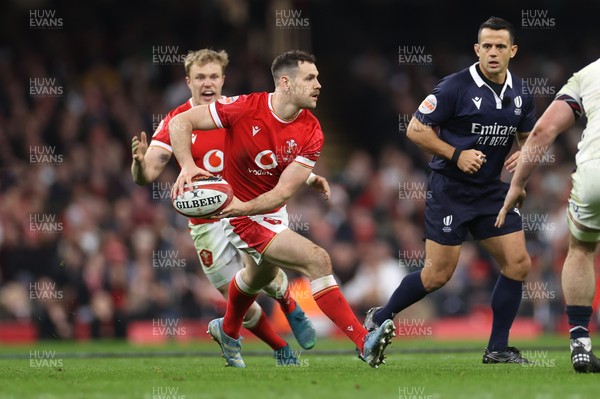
x,y
328,296
265,332
237,306
286,302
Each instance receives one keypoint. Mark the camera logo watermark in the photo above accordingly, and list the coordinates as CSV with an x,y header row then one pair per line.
x,y
290,358
538,358
164,327
161,191
44,291
45,19
413,191
537,222
165,392
167,55
414,55
413,328
538,155
403,121
413,260
157,121
296,224
44,358
537,19
44,154
167,259
291,19
295,290
45,87
538,291
413,392
44,222
538,87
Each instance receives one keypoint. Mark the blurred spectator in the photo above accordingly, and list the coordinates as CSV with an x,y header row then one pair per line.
x,y
81,244
378,276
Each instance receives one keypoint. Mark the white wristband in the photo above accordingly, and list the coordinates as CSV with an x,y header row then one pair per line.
x,y
311,179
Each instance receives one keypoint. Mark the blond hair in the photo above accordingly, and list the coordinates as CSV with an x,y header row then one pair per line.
x,y
203,57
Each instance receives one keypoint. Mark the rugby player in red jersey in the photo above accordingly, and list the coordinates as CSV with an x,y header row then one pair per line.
x,y
272,143
220,260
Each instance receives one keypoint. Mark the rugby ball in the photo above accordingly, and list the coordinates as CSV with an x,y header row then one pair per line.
x,y
205,197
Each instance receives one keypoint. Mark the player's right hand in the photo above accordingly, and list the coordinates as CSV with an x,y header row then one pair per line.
x,y
470,161
186,175
139,147
320,184
514,198
235,208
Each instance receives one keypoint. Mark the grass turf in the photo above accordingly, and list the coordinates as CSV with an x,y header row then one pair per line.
x,y
415,369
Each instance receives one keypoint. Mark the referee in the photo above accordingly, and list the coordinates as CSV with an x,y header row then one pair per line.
x,y
479,111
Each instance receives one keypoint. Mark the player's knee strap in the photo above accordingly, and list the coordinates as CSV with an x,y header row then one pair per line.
x,y
585,236
275,289
255,312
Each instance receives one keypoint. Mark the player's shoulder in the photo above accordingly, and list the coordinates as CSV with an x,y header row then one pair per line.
x,y
459,78
243,98
455,83
592,70
180,109
310,120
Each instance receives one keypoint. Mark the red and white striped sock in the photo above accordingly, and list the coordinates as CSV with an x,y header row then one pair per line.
x,y
330,300
260,326
241,297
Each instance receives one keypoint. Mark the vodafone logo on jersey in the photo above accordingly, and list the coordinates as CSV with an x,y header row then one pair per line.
x,y
213,161
266,160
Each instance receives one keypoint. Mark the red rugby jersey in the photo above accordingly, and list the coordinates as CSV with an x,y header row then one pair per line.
x,y
260,145
207,150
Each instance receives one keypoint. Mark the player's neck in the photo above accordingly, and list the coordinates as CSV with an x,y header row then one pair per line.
x,y
498,78
283,108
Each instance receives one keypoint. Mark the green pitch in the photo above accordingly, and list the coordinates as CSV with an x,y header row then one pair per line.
x,y
415,369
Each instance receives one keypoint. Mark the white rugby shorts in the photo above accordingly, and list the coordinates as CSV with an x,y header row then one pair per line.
x,y
584,202
218,257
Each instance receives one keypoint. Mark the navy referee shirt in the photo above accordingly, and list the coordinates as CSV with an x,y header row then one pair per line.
x,y
470,115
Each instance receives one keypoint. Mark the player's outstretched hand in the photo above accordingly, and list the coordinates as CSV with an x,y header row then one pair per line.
x,y
235,208
470,161
511,163
514,198
186,175
139,147
320,184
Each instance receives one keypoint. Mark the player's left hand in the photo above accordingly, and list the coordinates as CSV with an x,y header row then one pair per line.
x,y
186,175
320,184
139,146
511,163
235,208
514,198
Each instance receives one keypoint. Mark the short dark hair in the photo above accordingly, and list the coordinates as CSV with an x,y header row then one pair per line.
x,y
496,23
288,61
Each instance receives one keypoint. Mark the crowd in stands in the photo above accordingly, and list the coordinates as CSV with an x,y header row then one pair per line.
x,y
81,243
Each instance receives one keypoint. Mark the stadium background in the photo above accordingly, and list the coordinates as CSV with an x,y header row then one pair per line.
x,y
84,252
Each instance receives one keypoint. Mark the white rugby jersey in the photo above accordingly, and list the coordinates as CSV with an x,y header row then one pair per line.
x,y
584,87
